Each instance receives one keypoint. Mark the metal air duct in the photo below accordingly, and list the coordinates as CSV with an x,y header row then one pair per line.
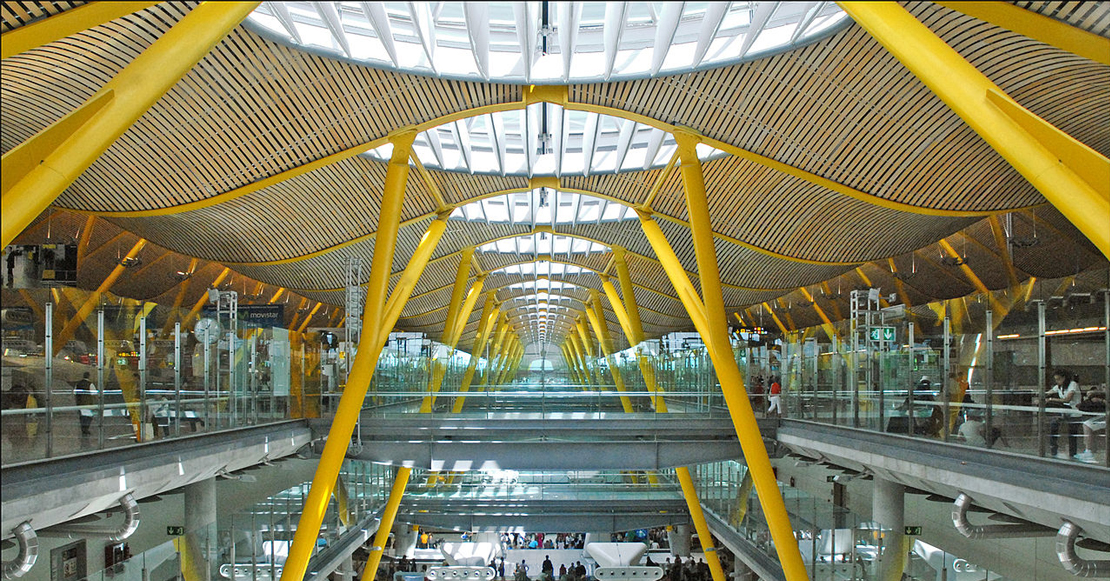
x,y
1065,550
28,552
126,529
1015,531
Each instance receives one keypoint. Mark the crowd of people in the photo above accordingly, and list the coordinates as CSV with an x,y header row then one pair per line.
x,y
543,541
680,569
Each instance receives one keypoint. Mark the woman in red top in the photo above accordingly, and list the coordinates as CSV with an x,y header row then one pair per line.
x,y
776,398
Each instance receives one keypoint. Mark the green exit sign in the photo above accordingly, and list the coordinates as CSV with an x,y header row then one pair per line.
x,y
883,334
913,531
175,531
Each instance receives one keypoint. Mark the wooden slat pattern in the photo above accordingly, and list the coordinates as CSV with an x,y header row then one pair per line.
x,y
841,108
16,14
1090,16
845,109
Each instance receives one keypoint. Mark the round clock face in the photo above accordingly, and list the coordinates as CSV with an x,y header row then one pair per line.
x,y
209,326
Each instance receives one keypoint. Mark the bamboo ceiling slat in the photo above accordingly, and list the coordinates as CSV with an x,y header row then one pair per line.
x,y
16,14
842,108
1090,16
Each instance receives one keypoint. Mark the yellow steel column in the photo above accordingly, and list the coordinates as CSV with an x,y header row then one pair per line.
x,y
467,309
90,303
635,333
451,339
39,169
625,279
827,324
587,350
507,350
514,358
675,272
308,318
400,481
490,312
462,275
362,368
1072,176
778,322
571,368
724,362
181,292
576,349
587,344
458,291
597,321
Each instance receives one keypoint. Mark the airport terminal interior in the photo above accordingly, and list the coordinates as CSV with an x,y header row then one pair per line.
x,y
555,291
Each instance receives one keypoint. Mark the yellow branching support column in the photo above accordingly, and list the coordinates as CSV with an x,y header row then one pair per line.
x,y
1072,176
490,312
572,369
36,171
452,342
597,321
362,369
635,333
576,349
400,481
90,303
709,318
456,310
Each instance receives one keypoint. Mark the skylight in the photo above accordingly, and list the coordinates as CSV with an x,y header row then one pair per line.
x,y
546,42
540,268
544,206
543,139
543,297
541,285
543,243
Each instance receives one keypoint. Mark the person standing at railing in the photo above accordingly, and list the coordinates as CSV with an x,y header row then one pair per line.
x,y
1095,403
775,410
1065,397
85,394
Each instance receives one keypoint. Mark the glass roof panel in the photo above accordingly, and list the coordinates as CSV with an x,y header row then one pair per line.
x,y
578,41
540,268
543,243
543,206
544,139
541,285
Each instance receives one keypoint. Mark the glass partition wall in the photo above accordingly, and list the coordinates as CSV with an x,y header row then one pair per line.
x,y
976,371
85,371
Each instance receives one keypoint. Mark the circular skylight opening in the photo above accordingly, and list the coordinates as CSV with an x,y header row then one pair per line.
x,y
546,42
543,139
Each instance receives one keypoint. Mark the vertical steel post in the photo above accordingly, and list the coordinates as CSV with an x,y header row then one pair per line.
x,y
853,360
48,360
177,378
1106,345
1042,377
232,400
988,381
207,379
911,423
101,377
144,408
253,372
946,383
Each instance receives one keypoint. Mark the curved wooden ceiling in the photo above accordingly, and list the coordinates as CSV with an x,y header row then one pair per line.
x,y
209,170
